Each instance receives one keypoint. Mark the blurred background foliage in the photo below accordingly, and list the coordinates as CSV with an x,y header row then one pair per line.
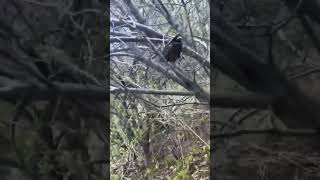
x,y
47,49
251,142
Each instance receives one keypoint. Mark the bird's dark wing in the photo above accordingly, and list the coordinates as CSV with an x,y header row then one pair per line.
x,y
167,51
172,51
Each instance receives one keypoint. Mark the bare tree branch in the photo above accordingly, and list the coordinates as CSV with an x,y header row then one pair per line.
x,y
298,133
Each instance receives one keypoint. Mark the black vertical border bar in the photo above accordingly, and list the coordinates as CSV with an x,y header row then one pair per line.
x,y
211,163
107,30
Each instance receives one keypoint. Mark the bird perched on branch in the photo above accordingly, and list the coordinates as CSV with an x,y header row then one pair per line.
x,y
172,50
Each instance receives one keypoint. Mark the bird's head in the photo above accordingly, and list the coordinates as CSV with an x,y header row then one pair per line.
x,y
177,38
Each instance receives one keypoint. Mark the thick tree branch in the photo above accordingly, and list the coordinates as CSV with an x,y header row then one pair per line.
x,y
149,32
187,50
299,133
150,91
99,93
240,100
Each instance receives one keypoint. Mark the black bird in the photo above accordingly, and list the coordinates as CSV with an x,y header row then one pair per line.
x,y
172,50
